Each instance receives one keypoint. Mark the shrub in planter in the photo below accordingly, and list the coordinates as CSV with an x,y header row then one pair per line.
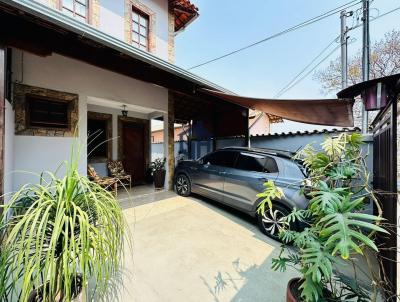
x,y
57,235
158,169
335,225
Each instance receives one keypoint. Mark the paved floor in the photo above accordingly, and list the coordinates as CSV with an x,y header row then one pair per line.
x,y
189,249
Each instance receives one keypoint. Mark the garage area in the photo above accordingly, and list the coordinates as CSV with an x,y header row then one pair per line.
x,y
192,249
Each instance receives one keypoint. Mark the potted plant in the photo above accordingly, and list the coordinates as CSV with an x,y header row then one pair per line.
x,y
334,225
158,169
58,234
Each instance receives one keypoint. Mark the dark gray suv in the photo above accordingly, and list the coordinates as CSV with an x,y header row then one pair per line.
x,y
234,176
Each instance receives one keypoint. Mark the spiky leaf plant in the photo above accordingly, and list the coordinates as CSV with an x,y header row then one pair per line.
x,y
58,234
338,189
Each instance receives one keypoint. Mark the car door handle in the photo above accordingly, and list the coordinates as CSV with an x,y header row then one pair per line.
x,y
263,179
222,172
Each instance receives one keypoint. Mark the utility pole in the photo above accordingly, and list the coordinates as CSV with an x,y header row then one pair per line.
x,y
343,41
365,60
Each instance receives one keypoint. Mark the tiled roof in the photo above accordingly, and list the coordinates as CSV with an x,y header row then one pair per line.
x,y
185,12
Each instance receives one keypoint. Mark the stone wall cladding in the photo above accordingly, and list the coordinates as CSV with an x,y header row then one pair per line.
x,y
94,11
171,143
171,34
21,127
128,22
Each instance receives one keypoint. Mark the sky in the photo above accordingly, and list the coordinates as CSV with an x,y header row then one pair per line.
x,y
261,71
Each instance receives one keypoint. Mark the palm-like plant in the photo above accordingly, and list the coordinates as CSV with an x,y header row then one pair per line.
x,y
338,189
58,234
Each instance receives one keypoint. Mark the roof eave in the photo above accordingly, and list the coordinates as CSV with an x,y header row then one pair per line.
x,y
46,13
194,18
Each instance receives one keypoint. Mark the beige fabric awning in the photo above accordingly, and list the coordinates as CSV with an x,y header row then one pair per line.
x,y
330,112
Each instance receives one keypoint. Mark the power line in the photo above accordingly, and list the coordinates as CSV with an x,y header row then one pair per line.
x,y
311,70
280,92
290,29
289,86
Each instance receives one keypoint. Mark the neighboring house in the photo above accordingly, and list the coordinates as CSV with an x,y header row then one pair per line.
x,y
259,124
180,134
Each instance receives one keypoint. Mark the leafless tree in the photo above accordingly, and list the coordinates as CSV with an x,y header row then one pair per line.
x,y
385,60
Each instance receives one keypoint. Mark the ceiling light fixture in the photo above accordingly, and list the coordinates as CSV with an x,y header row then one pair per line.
x,y
124,111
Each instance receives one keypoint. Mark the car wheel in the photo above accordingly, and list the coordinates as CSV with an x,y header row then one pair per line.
x,y
271,221
182,185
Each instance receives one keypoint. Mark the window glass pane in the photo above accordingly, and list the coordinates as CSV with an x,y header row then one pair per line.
x,y
223,158
143,47
143,40
80,9
251,162
135,37
68,12
135,27
271,166
135,17
68,4
143,31
143,21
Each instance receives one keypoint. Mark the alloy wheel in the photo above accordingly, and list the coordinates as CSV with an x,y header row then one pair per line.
x,y
273,221
182,185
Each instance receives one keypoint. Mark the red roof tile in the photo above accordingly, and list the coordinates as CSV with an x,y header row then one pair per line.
x,y
185,12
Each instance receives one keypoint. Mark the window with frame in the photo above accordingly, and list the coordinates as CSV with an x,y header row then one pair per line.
x,y
78,9
140,29
47,113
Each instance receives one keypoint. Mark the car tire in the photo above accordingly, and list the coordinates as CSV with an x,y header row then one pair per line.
x,y
182,185
268,222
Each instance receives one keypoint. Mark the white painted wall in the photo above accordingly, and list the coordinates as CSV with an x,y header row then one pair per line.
x,y
36,154
112,18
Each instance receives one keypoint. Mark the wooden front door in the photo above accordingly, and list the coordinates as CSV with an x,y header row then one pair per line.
x,y
133,150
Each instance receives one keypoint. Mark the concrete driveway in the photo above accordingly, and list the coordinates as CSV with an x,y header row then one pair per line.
x,y
189,249
192,249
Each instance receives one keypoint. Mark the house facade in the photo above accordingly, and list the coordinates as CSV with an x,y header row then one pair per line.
x,y
87,97
97,72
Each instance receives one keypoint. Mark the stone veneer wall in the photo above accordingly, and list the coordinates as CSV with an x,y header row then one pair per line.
x,y
171,34
21,127
128,22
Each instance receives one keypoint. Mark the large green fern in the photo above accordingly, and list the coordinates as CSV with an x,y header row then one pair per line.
x,y
338,187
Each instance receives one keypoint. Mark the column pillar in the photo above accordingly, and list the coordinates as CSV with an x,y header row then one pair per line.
x,y
171,141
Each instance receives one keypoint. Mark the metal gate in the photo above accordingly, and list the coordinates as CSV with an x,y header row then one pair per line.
x,y
385,185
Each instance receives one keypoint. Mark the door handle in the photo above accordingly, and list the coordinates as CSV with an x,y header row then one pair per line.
x,y
263,179
222,172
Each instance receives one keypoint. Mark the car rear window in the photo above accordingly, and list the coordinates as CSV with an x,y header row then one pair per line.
x,y
256,163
